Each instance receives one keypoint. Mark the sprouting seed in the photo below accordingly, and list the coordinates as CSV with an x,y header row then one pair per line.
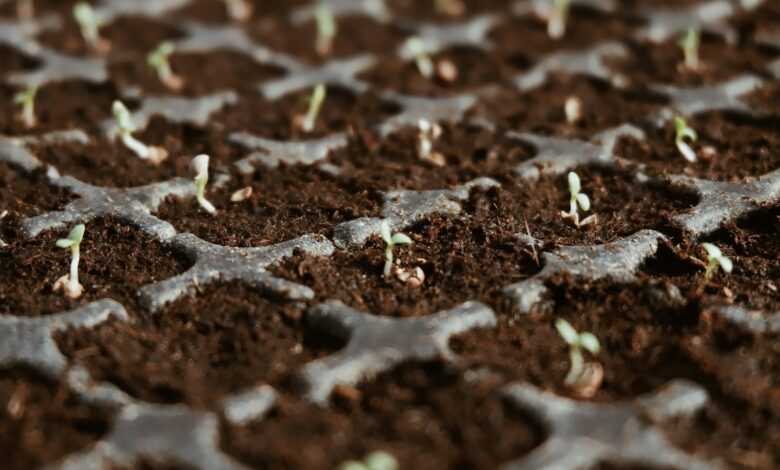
x,y
427,135
126,127
90,24
239,10
69,283
26,99
690,46
158,59
556,23
377,460
683,133
391,240
415,47
573,109
326,29
715,259
577,199
577,342
315,104
201,166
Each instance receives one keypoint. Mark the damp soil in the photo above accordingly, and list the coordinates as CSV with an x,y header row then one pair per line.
x,y
27,194
109,163
200,349
542,110
425,415
429,11
15,61
647,64
115,261
279,118
41,421
274,212
208,11
202,73
730,147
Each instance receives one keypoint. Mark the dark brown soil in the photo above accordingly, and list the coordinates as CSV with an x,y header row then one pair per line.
x,y
286,203
106,163
542,110
59,106
427,11
209,11
341,110
15,61
203,73
424,415
42,7
355,35
200,349
115,261
462,260
765,98
744,147
27,194
42,421
662,63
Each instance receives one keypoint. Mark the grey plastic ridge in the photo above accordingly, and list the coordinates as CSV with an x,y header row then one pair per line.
x,y
377,344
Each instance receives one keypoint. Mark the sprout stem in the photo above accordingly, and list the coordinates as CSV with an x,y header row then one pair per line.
x,y
315,104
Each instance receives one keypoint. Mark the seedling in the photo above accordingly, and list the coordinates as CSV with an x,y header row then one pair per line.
x,y
158,59
690,46
90,25
683,133
715,260
26,99
126,127
239,10
415,47
573,109
577,342
315,104
577,199
326,29
69,283
556,23
377,460
391,240
429,132
201,166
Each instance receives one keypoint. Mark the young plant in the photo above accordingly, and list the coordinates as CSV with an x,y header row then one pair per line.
x,y
69,283
577,342
239,10
428,133
690,46
308,121
326,29
573,109
90,25
26,99
391,240
415,47
377,460
200,165
556,23
577,199
683,133
126,127
715,260
158,59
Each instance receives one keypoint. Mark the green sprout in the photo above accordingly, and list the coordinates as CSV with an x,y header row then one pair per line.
x,y
158,59
556,23
326,29
70,283
315,104
201,166
391,240
126,127
683,134
90,24
577,199
716,259
239,10
577,342
690,46
415,47
377,460
26,99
